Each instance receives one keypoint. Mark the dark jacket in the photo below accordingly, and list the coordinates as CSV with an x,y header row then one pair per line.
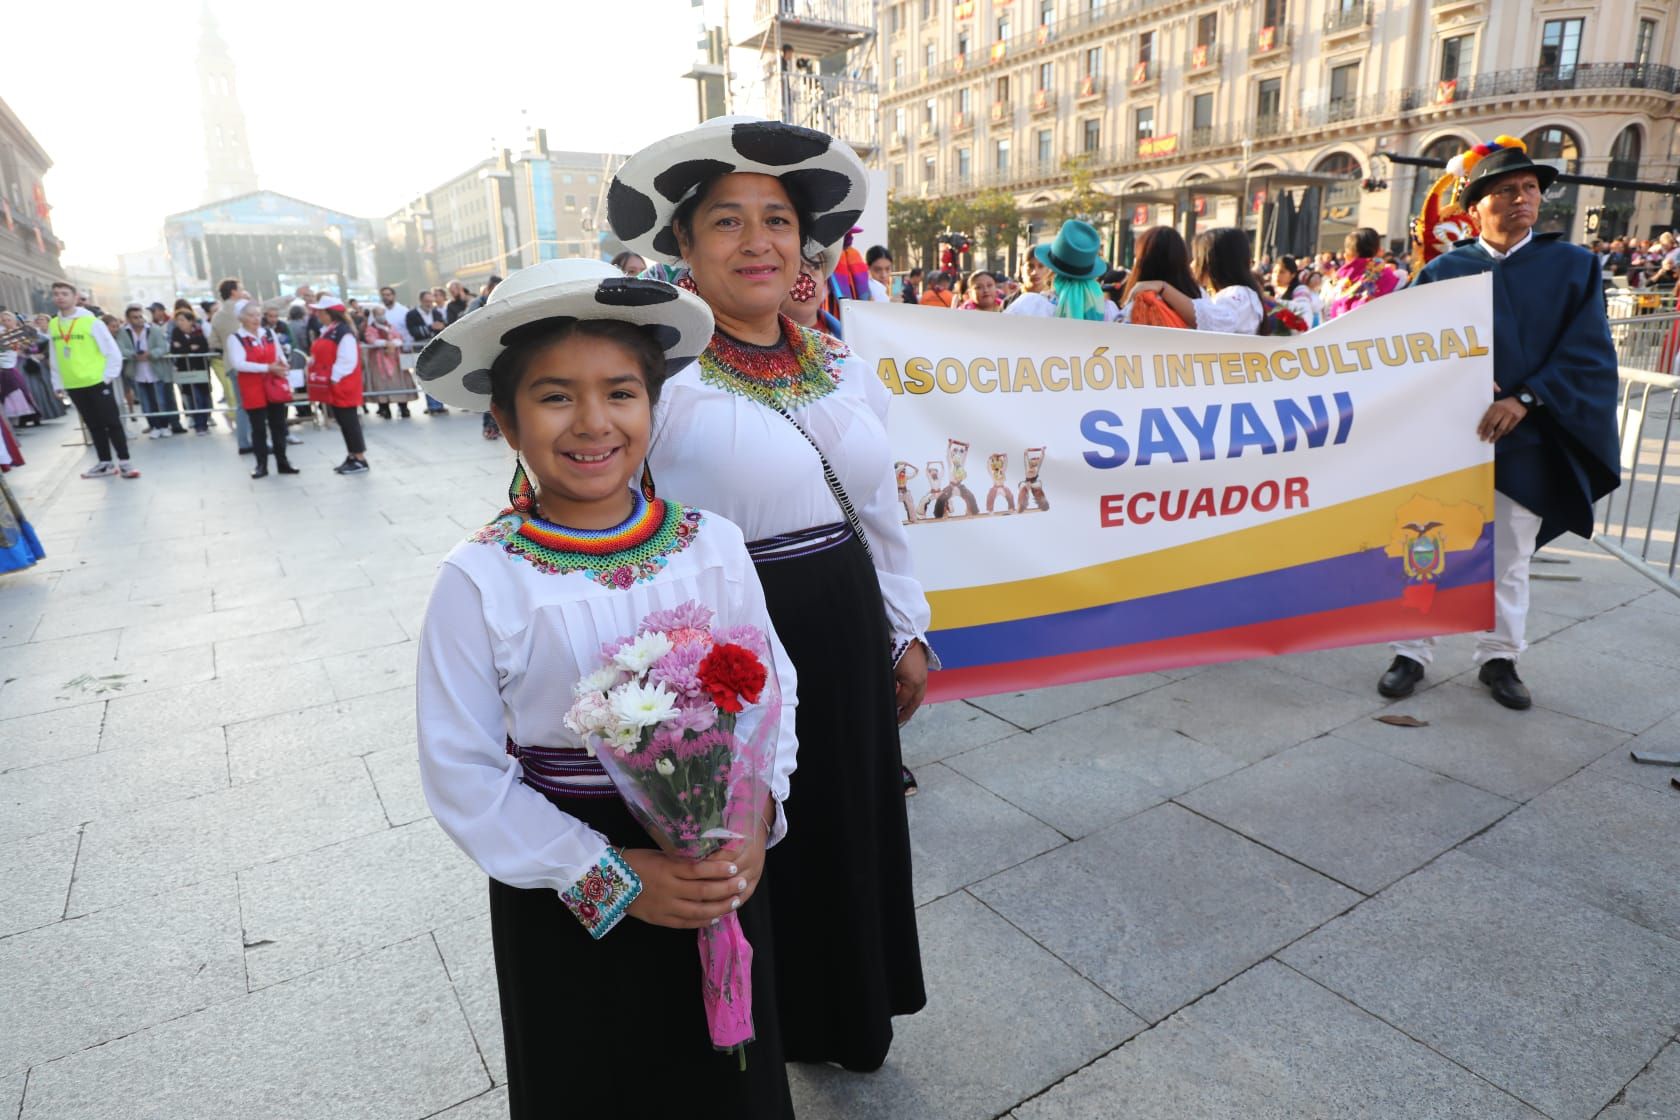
x,y
1551,338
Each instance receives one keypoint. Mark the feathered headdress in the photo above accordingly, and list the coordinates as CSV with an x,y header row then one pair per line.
x,y
1443,221
1462,164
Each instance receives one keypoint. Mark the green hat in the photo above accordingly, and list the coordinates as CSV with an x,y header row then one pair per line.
x,y
1074,253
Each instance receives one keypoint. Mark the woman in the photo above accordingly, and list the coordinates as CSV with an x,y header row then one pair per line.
x,y
15,404
37,371
335,378
983,291
265,389
1161,257
192,372
1074,265
1221,265
631,264
1364,277
384,364
751,430
593,926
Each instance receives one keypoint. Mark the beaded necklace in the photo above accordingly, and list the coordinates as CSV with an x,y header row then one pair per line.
x,y
631,552
803,367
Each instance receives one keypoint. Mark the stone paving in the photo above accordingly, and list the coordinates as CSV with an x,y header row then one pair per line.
x,y
1221,892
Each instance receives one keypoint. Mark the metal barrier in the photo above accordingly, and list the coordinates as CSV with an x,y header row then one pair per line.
x,y
1647,417
1647,341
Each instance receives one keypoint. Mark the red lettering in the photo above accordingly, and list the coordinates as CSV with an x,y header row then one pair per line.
x,y
1294,490
1236,497
1202,504
1144,517
1169,512
1111,510
1269,501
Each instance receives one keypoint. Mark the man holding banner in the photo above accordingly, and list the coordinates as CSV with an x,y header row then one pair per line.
x,y
1553,418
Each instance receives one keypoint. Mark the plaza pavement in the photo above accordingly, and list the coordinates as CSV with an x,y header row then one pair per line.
x,y
1221,892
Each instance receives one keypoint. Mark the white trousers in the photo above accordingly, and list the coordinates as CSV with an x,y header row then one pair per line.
x,y
1515,529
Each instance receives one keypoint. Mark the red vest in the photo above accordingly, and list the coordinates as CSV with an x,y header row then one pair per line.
x,y
345,392
254,387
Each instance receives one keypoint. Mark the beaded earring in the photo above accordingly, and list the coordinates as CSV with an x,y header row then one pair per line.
x,y
521,495
647,481
687,284
805,288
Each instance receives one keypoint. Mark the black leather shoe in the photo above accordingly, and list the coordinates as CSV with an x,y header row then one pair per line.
x,y
1500,675
1401,678
260,472
286,468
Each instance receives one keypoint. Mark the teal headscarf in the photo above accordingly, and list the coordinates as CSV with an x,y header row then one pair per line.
x,y
1077,299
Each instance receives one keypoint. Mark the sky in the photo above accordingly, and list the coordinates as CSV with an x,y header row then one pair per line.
x,y
359,107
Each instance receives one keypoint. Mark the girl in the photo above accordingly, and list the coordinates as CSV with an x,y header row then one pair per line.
x,y
1163,258
571,355
1365,277
1221,265
255,358
335,378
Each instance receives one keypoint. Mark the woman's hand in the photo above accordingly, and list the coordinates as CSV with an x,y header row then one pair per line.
x,y
1148,286
691,894
910,680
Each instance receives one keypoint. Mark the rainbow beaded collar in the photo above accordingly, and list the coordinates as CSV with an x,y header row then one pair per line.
x,y
633,551
803,368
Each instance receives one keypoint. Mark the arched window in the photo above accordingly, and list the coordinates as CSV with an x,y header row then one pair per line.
x,y
1617,217
1338,208
1443,148
1561,148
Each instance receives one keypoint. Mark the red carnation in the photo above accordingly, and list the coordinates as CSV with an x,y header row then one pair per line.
x,y
731,674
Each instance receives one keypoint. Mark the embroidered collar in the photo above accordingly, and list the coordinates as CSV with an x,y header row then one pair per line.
x,y
631,552
803,367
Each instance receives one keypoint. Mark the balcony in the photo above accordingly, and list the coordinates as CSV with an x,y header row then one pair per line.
x,y
1502,84
1347,21
1144,72
846,108
1091,87
1043,101
963,9
999,51
1271,43
1203,58
1002,111
962,122
813,27
896,141
929,130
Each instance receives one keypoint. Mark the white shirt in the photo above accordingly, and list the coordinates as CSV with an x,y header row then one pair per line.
x,y
1499,256
239,343
143,374
344,362
500,650
396,316
722,451
878,291
1041,306
101,335
1233,310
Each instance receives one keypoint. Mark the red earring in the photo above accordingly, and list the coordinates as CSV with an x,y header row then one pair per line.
x,y
805,288
519,490
686,283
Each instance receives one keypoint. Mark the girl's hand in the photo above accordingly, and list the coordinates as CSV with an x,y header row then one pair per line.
x,y
910,680
688,894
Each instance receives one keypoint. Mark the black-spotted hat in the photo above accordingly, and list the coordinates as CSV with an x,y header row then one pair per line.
x,y
455,365
823,174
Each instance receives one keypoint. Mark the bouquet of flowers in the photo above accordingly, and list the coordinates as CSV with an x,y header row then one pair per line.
x,y
1281,319
660,714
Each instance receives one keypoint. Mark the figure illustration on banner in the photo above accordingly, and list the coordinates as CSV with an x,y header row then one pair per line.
x,y
943,499
904,473
997,463
956,454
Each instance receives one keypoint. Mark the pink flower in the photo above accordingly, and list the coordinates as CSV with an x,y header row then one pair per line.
x,y
695,715
679,671
749,636
691,615
623,578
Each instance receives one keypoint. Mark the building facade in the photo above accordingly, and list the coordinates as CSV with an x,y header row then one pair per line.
x,y
227,149
28,250
272,242
502,214
1275,113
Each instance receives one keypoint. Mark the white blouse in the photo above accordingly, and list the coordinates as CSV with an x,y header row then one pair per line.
x,y
503,644
1233,310
1039,306
720,450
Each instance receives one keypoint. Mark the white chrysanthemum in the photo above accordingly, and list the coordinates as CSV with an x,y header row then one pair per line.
x,y
624,740
600,680
636,705
590,715
643,652
665,767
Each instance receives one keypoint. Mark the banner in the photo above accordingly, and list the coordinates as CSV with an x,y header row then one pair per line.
x,y
1088,500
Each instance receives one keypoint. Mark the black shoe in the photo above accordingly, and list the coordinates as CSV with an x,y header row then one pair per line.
x,y
402,410
246,451
344,466
284,467
384,412
909,780
1402,677
1500,675
260,472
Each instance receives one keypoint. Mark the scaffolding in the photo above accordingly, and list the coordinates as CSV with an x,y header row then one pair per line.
x,y
815,67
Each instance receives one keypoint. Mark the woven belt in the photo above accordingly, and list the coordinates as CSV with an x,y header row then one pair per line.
x,y
562,771
805,542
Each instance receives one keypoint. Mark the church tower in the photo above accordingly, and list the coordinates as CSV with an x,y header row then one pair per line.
x,y
227,151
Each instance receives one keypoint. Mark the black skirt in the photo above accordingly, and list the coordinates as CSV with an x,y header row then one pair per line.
x,y
615,1027
847,955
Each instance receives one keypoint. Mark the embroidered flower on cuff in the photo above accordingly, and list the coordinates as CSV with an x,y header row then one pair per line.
x,y
602,897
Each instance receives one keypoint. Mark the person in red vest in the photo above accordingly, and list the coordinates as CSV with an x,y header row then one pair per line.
x,y
253,355
335,377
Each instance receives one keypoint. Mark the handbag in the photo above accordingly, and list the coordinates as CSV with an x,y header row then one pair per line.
x,y
277,387
833,481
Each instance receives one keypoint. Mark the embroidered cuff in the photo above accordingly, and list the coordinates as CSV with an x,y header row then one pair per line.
x,y
601,898
901,646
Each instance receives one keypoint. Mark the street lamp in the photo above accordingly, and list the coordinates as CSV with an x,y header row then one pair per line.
x,y
1245,205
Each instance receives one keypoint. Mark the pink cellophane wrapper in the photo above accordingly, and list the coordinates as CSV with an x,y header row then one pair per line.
x,y
725,953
